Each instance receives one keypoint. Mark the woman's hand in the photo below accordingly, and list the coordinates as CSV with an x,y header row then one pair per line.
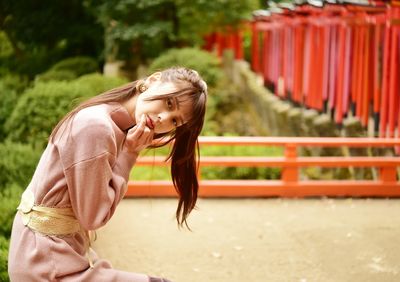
x,y
139,137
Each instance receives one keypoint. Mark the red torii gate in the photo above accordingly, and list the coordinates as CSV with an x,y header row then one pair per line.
x,y
343,57
230,38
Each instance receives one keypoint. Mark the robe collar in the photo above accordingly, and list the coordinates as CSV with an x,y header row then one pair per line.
x,y
122,118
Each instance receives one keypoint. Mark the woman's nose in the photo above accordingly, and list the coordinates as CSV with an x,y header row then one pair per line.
x,y
165,118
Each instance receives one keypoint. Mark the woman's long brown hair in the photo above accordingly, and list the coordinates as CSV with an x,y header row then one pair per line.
x,y
184,154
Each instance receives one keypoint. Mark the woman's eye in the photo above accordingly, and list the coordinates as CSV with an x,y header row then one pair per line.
x,y
169,103
175,122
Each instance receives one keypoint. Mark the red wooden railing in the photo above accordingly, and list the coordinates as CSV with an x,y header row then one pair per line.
x,y
387,184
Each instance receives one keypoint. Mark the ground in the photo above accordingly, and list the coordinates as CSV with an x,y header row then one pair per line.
x,y
241,240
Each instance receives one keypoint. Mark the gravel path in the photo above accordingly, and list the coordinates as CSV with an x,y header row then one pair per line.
x,y
241,240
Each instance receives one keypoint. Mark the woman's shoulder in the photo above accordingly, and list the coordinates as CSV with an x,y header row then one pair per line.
x,y
89,135
94,119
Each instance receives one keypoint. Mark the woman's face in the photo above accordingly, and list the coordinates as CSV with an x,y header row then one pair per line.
x,y
162,115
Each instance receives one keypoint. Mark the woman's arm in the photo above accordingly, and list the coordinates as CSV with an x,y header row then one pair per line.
x,y
96,173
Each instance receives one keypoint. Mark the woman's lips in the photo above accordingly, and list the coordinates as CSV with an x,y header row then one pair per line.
x,y
149,123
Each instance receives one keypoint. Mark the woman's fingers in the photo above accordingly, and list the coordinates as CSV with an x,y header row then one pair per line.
x,y
146,135
138,129
150,136
140,136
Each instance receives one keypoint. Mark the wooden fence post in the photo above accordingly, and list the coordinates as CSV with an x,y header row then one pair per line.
x,y
290,173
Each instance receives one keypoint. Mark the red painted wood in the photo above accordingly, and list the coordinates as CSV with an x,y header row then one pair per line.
x,y
385,80
289,185
255,49
281,161
299,141
269,188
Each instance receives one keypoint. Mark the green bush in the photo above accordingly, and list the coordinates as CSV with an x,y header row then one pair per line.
x,y
98,83
14,82
17,163
77,65
6,52
11,88
4,243
6,49
163,173
69,69
205,63
241,172
9,200
61,75
41,107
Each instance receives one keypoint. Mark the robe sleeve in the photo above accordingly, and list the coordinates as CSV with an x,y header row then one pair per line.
x,y
96,173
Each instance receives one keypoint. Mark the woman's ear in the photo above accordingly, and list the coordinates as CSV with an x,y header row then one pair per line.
x,y
153,78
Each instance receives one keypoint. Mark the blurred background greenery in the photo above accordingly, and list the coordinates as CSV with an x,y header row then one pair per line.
x,y
37,34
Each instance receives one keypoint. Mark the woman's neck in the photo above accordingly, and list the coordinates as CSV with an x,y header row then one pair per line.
x,y
130,106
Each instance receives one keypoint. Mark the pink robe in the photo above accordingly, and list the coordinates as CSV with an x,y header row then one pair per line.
x,y
86,169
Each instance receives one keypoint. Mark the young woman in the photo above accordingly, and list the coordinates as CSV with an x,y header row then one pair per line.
x,y
83,173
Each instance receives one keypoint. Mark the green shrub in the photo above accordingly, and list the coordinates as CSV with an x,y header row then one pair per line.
x,y
6,52
98,83
14,82
4,243
8,100
203,62
61,75
77,65
41,107
241,172
9,201
17,163
163,173
11,88
6,49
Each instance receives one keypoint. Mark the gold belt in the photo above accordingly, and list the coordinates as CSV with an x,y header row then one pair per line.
x,y
50,221
45,220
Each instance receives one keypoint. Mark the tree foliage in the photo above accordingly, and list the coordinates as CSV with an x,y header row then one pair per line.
x,y
146,28
43,32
